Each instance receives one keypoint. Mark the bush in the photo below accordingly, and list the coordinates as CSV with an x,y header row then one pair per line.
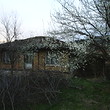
x,y
39,87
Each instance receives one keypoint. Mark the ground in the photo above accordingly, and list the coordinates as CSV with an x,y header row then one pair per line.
x,y
82,94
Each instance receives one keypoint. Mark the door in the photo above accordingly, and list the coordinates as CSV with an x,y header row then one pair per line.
x,y
28,61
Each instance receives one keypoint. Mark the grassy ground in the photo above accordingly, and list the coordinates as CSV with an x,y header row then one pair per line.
x,y
82,94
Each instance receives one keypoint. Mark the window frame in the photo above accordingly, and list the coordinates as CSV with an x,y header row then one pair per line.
x,y
52,58
6,58
29,58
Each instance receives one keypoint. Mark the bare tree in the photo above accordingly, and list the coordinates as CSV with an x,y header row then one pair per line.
x,y
10,29
90,19
103,6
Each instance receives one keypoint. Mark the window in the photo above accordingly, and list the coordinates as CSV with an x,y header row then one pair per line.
x,y
52,58
6,57
28,61
28,58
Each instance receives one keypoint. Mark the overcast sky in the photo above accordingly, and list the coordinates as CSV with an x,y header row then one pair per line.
x,y
34,14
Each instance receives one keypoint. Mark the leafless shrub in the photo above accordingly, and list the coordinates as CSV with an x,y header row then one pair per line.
x,y
40,87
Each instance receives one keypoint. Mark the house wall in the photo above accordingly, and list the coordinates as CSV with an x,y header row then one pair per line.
x,y
39,63
18,65
35,61
3,65
41,60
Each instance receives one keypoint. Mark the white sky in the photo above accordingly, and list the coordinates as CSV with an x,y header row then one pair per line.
x,y
34,14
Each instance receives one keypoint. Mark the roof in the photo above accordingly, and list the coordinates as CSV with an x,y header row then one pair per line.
x,y
34,43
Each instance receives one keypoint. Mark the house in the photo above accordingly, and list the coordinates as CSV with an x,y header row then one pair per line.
x,y
37,53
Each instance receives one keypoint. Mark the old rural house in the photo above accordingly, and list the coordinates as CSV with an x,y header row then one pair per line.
x,y
37,53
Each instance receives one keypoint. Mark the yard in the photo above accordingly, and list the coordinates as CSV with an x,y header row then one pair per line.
x,y
82,94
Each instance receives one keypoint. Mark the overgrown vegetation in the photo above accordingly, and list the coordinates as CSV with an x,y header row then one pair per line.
x,y
26,89
83,94
54,92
